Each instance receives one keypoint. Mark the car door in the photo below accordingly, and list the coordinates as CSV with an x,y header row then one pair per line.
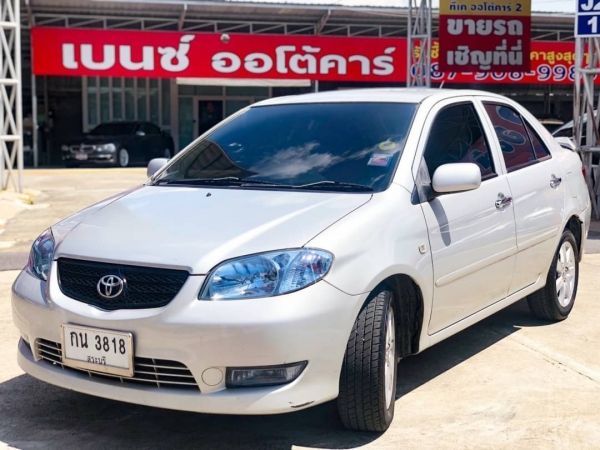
x,y
155,141
472,233
537,189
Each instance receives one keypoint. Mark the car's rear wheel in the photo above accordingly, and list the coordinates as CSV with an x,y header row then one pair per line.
x,y
123,157
555,301
368,379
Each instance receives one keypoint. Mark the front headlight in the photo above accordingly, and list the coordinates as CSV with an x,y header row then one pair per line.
x,y
107,147
266,274
41,255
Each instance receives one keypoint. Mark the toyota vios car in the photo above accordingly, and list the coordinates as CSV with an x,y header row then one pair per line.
x,y
295,252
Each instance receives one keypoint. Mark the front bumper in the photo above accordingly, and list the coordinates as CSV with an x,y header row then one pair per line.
x,y
94,157
309,325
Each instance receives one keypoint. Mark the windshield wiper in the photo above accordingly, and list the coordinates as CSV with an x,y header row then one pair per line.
x,y
336,185
222,181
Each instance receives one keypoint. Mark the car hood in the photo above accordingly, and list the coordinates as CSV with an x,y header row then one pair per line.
x,y
197,228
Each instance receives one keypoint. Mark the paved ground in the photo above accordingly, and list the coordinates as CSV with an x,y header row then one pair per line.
x,y
508,382
59,193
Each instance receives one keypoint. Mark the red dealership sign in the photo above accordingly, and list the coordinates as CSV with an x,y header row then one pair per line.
x,y
80,52
484,36
550,63
84,52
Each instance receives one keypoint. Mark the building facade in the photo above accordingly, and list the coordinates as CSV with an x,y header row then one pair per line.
x,y
185,65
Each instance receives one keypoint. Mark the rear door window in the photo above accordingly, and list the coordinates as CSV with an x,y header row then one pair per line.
x,y
539,148
520,144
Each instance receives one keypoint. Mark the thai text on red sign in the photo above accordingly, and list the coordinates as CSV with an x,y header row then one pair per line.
x,y
58,51
485,35
81,52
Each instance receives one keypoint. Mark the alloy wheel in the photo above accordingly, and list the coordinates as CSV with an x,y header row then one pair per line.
x,y
565,274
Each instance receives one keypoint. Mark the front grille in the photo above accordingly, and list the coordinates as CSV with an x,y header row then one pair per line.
x,y
83,148
157,373
145,287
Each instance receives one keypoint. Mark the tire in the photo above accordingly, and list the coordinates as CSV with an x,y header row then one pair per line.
x,y
122,158
555,301
367,396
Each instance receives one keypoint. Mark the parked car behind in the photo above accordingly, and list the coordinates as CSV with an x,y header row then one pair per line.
x,y
564,135
297,251
551,124
119,144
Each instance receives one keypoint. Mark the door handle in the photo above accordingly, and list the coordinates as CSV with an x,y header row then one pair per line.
x,y
555,181
503,201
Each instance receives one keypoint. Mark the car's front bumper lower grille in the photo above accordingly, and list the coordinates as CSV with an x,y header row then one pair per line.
x,y
157,373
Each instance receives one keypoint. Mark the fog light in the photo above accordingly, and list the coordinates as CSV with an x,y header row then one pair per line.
x,y
264,376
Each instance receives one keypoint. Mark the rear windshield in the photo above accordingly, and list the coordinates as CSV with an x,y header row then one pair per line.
x,y
114,129
302,146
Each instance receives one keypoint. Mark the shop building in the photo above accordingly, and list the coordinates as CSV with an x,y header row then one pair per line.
x,y
185,65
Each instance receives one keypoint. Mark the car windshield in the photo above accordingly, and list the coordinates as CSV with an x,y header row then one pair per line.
x,y
315,146
113,129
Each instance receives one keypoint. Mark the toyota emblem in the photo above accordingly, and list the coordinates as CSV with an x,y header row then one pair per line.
x,y
110,286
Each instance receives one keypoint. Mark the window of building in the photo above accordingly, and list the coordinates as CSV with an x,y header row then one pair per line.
x,y
520,145
457,136
113,99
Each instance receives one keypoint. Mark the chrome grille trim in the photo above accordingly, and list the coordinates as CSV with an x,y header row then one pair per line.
x,y
157,373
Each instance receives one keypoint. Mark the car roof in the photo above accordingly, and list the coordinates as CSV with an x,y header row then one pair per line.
x,y
122,122
383,95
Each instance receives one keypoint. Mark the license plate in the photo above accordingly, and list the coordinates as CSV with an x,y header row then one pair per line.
x,y
81,156
98,350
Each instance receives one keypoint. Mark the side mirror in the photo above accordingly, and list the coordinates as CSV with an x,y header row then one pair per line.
x,y
140,133
155,165
456,177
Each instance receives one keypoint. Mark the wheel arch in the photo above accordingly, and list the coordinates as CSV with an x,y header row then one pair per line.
x,y
575,225
409,311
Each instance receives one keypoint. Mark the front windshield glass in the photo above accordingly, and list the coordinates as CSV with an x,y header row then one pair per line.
x,y
333,146
113,129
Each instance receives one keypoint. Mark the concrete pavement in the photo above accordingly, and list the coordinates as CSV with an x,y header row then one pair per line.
x,y
508,382
58,193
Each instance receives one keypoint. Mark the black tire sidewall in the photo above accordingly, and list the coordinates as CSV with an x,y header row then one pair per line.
x,y
361,402
389,411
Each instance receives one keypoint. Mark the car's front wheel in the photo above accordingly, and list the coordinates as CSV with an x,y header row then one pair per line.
x,y
555,301
123,158
368,379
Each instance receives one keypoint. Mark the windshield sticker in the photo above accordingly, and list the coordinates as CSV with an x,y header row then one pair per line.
x,y
379,160
388,146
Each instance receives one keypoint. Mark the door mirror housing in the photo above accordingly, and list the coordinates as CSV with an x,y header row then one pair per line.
x,y
456,177
155,165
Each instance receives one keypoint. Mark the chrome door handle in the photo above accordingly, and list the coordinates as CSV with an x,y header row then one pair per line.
x,y
503,201
555,181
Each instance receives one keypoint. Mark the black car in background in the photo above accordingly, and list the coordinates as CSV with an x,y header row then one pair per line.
x,y
119,144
